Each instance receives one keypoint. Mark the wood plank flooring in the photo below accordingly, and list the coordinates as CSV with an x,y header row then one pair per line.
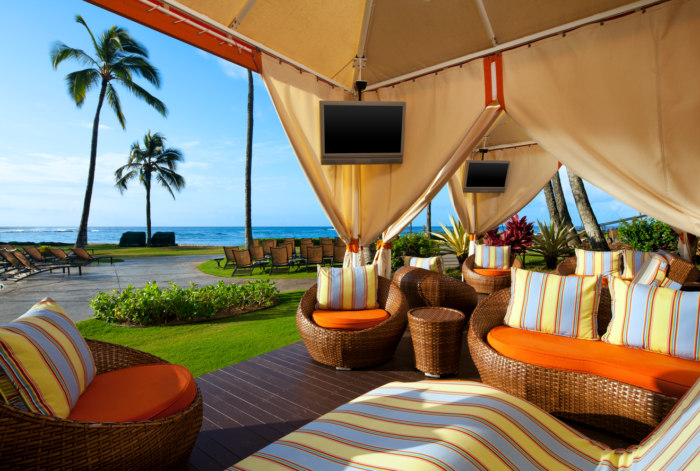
x,y
253,403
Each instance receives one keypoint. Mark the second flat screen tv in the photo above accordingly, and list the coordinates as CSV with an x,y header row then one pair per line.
x,y
359,132
486,176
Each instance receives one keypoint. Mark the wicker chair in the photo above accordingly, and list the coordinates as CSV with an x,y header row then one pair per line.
x,y
45,442
290,240
314,256
425,288
267,245
360,348
258,255
306,241
612,405
338,254
328,251
243,261
228,255
487,284
279,258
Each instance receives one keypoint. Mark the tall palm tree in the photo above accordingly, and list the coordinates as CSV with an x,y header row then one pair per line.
x,y
248,166
555,222
428,220
590,222
119,58
563,209
154,160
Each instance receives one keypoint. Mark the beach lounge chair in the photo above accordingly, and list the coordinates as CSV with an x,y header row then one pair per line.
x,y
338,254
6,247
11,266
290,240
35,255
267,245
314,256
279,258
229,257
83,255
325,241
306,241
328,252
256,242
338,242
61,255
243,261
34,269
291,250
257,255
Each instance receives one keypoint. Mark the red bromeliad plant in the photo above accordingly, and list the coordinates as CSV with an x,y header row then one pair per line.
x,y
518,235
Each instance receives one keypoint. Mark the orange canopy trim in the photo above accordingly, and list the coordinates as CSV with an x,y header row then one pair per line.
x,y
183,31
491,63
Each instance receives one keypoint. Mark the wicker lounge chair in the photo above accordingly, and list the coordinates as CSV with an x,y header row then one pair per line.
x,y
314,256
11,265
305,241
425,288
290,240
6,247
228,256
83,255
47,442
487,284
359,348
291,250
338,255
324,241
244,261
61,255
328,252
32,269
34,254
279,258
257,255
267,245
609,404
338,242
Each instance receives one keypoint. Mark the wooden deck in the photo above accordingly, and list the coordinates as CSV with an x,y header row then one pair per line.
x,y
253,403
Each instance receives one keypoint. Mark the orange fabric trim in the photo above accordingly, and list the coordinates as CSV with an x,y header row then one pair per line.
x,y
472,237
354,246
499,80
558,165
493,271
654,371
349,320
137,393
383,245
138,12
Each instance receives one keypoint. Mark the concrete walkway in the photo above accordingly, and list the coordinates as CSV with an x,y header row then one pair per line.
x,y
74,292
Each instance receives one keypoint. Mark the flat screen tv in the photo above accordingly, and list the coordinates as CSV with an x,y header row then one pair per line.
x,y
359,132
485,176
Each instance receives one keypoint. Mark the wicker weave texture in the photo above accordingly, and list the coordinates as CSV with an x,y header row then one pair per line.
x,y
31,441
355,349
436,333
487,284
594,400
425,288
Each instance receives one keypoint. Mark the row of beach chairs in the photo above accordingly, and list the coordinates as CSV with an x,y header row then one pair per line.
x,y
17,264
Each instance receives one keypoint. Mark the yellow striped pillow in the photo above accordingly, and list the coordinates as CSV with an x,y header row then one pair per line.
x,y
559,305
653,272
487,256
347,289
433,263
633,261
589,263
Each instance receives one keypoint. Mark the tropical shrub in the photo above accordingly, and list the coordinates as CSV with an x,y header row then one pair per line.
x,y
44,249
412,245
455,241
647,235
152,305
552,243
518,235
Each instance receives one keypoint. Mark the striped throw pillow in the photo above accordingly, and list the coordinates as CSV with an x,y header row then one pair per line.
x,y
432,263
46,359
486,256
656,319
589,263
653,272
633,261
347,289
559,305
668,283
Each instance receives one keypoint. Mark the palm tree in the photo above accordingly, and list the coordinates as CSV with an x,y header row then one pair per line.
x,y
563,209
590,222
428,221
154,160
248,166
119,58
551,205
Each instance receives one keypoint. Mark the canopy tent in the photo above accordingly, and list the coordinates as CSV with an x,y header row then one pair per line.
x,y
606,87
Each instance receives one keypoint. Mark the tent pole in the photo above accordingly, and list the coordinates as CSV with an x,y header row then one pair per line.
x,y
369,5
485,21
242,13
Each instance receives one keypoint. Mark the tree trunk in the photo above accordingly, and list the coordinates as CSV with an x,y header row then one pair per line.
x,y
590,223
693,241
148,209
82,230
563,209
428,222
551,205
248,164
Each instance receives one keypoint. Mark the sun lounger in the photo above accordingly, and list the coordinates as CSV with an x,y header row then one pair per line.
x,y
37,256
25,268
61,255
83,255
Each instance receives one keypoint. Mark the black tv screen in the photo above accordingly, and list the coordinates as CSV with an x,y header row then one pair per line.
x,y
486,176
362,132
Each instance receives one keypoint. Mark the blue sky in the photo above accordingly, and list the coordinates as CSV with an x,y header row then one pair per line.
x,y
45,139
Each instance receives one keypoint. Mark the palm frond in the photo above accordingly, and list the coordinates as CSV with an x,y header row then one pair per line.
x,y
173,179
123,180
135,65
132,46
115,104
80,82
60,52
79,19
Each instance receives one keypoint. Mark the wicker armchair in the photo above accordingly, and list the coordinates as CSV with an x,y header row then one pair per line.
x,y
45,442
360,348
612,405
428,288
487,284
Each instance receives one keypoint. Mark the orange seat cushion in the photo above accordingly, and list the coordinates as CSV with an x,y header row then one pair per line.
x,y
654,371
349,320
493,271
143,392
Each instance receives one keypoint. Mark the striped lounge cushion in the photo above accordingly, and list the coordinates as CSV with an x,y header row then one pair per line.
x,y
462,425
46,359
670,284
653,272
432,263
347,289
486,256
560,305
657,319
597,263
633,261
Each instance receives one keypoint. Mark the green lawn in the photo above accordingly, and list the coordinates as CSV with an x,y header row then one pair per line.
x,y
211,268
208,346
131,252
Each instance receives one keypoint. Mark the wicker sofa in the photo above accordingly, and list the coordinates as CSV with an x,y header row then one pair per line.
x,y
612,405
487,284
31,441
355,349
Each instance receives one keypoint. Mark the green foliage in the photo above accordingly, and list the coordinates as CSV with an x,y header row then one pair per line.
x,y
412,245
152,305
44,249
455,241
647,235
551,243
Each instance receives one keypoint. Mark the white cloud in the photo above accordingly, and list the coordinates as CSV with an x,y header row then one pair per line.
x,y
85,124
188,144
232,70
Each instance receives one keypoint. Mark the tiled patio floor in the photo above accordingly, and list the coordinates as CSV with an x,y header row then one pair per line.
x,y
253,403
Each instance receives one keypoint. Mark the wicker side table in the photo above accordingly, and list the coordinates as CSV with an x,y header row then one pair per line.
x,y
436,333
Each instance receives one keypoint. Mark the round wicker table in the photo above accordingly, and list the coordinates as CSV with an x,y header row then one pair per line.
x,y
436,333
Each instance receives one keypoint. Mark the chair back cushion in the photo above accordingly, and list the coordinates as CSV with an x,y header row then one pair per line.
x,y
559,305
589,263
633,261
657,319
653,272
347,289
46,359
486,256
433,263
